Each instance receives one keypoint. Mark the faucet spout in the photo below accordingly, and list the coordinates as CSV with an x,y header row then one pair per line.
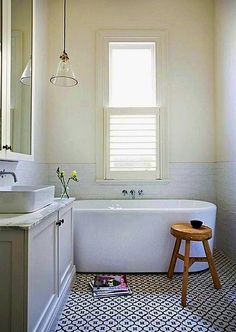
x,y
132,193
10,173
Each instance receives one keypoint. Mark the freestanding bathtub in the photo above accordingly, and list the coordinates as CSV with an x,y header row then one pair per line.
x,y
134,235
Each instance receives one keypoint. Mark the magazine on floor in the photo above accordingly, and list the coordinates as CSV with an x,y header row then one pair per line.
x,y
105,285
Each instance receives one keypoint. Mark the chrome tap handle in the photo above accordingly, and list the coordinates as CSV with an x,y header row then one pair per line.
x,y
140,192
7,147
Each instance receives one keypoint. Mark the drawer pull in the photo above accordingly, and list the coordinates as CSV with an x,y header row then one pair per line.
x,y
58,223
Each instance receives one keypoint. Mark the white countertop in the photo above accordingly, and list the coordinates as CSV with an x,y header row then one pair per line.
x,y
29,220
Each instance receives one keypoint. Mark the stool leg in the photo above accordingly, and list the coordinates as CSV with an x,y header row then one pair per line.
x,y
185,273
211,264
174,258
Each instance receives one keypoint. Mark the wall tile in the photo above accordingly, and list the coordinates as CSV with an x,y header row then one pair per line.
x,y
187,180
226,201
28,173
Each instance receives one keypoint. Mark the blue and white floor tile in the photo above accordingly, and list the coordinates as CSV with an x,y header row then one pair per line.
x,y
155,304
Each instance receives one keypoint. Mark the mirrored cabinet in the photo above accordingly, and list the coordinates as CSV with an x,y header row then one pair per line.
x,y
16,79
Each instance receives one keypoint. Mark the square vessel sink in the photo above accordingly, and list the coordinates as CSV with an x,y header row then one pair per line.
x,y
23,199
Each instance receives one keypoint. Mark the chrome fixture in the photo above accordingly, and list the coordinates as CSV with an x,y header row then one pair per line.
x,y
2,173
140,193
7,147
124,192
132,193
64,76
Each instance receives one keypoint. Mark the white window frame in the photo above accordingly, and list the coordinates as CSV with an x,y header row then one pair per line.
x,y
103,39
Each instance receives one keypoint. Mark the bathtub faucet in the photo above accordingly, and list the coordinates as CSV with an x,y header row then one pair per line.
x,y
132,193
124,192
140,193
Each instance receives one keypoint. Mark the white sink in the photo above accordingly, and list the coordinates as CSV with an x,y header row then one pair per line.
x,y
23,199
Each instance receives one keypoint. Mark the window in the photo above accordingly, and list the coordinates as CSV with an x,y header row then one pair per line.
x,y
131,112
132,74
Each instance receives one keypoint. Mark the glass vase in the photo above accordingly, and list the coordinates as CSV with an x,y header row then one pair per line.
x,y
64,192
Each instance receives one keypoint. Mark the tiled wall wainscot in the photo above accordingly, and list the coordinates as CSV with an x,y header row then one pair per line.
x,y
187,180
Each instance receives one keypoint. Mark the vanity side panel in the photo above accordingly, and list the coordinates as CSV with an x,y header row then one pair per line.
x,y
12,280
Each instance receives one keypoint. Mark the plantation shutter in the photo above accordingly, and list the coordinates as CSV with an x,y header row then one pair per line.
x,y
132,143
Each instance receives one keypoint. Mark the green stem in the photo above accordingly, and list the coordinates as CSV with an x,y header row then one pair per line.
x,y
68,182
64,188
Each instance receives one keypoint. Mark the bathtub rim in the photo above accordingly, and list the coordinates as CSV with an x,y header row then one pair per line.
x,y
209,206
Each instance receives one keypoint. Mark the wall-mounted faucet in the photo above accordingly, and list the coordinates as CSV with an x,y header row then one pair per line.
x,y
132,193
2,173
124,192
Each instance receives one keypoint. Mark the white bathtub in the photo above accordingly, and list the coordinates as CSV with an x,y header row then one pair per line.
x,y
134,235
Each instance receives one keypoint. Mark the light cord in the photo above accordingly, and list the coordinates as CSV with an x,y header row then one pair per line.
x,y
64,25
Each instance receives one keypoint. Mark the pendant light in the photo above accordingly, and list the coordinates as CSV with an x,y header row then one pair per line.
x,y
26,75
64,76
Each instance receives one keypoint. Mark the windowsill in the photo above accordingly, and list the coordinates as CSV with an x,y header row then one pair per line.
x,y
136,182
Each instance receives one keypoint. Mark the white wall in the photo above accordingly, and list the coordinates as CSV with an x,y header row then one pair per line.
x,y
226,124
71,122
71,112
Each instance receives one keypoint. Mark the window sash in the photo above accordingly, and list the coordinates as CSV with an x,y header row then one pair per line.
x,y
134,45
146,173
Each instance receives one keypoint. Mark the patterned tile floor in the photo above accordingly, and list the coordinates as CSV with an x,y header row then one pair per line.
x,y
155,304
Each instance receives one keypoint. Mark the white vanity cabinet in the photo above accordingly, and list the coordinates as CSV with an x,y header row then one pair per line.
x,y
36,271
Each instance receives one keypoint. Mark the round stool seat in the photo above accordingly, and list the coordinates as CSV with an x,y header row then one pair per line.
x,y
185,231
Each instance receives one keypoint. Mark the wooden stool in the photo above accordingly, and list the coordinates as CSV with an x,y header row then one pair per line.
x,y
187,233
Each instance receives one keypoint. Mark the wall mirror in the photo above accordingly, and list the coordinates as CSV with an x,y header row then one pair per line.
x,y
20,93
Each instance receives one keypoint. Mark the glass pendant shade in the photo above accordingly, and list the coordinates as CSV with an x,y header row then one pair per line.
x,y
64,76
26,75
